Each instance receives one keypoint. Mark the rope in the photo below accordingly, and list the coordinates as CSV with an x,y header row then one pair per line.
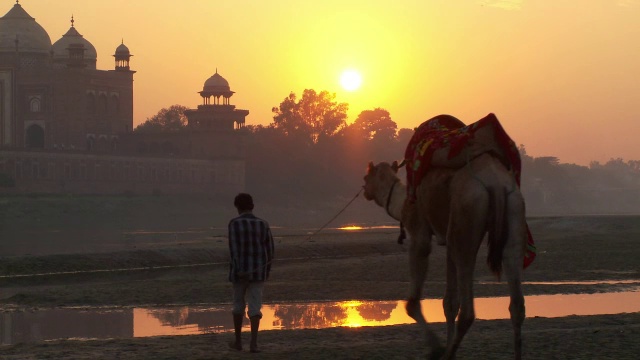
x,y
159,267
312,235
335,216
386,207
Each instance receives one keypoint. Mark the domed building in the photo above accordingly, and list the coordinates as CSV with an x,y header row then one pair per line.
x,y
220,114
209,135
122,56
74,46
54,97
67,127
19,32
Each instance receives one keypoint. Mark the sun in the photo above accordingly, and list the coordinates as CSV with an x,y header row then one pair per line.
x,y
350,80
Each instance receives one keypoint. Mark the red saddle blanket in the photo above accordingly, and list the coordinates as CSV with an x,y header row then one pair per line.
x,y
445,141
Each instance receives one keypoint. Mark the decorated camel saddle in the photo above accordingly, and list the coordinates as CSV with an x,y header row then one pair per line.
x,y
445,141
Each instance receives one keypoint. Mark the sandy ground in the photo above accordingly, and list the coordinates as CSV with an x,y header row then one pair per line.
x,y
592,337
332,265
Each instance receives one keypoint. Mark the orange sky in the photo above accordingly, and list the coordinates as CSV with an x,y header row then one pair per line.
x,y
562,76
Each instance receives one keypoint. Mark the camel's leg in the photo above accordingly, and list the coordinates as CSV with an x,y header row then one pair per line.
x,y
451,301
466,230
512,261
464,274
419,251
516,306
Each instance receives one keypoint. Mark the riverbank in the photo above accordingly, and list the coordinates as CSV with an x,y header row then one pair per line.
x,y
331,265
575,337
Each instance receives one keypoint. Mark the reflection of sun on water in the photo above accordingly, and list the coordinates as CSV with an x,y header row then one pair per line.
x,y
355,314
350,304
351,228
353,318
368,227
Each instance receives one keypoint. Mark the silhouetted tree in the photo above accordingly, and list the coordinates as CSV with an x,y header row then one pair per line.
x,y
404,135
314,117
171,119
375,124
616,184
327,160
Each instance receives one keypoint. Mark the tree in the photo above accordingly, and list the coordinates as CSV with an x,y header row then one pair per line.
x,y
314,117
375,124
171,119
404,135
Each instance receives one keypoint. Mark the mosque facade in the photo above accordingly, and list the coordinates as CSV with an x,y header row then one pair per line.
x,y
67,127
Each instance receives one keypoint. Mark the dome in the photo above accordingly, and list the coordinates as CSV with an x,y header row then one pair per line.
x,y
216,83
122,50
17,24
60,47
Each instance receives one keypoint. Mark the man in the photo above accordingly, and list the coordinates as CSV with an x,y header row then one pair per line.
x,y
251,248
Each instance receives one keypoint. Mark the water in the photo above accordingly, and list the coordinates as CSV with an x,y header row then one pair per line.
x,y
101,323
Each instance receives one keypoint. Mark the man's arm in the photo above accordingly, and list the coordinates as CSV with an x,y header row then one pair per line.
x,y
270,245
233,243
270,250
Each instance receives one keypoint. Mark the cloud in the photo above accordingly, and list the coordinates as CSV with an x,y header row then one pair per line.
x,y
511,4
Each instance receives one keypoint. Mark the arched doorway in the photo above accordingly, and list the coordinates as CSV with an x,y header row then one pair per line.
x,y
35,137
91,143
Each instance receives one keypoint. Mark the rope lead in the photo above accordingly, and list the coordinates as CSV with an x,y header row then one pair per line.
x,y
333,218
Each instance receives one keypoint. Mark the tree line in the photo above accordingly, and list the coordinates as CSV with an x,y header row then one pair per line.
x,y
309,153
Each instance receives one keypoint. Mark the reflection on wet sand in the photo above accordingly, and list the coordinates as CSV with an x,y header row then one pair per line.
x,y
577,282
16,327
361,228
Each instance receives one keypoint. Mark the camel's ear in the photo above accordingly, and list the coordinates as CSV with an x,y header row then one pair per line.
x,y
395,166
371,167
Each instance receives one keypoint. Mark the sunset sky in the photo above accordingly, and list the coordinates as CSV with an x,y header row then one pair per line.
x,y
563,76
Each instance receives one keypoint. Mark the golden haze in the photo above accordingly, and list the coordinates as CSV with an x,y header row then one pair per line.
x,y
562,78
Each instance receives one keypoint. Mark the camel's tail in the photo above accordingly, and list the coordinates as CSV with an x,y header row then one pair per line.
x,y
497,230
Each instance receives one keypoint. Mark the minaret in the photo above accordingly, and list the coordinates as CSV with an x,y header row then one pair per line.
x,y
122,56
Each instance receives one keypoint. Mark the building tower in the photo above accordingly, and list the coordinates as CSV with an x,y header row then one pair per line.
x,y
122,56
74,51
24,45
216,116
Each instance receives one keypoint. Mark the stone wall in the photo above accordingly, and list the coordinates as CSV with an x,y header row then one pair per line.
x,y
69,172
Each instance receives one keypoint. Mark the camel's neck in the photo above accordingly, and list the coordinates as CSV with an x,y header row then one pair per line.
x,y
392,199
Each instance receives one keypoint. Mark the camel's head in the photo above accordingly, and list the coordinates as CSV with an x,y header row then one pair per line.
x,y
381,176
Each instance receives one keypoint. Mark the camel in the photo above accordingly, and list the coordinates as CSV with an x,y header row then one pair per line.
x,y
458,207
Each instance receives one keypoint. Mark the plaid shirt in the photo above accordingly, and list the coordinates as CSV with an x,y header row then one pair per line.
x,y
251,248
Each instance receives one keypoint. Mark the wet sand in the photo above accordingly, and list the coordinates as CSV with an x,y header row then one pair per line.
x,y
587,337
334,265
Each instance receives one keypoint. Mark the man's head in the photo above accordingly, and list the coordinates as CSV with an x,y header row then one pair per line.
x,y
243,202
